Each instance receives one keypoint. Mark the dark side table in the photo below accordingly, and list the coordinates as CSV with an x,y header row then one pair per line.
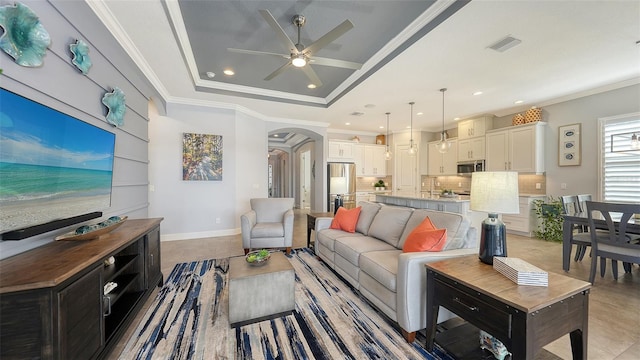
x,y
311,223
524,318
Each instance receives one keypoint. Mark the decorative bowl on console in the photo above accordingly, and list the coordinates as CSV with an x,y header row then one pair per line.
x,y
257,257
89,232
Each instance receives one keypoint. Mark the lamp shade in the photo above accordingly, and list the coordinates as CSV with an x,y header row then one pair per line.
x,y
338,185
495,192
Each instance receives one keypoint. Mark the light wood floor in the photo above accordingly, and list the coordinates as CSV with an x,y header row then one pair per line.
x,y
614,307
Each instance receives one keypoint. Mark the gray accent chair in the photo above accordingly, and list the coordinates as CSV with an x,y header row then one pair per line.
x,y
269,224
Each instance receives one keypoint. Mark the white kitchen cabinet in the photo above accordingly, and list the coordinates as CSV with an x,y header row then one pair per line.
x,y
526,222
369,160
340,150
443,164
474,127
519,148
471,149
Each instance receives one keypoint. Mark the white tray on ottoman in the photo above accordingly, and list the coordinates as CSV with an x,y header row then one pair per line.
x,y
258,293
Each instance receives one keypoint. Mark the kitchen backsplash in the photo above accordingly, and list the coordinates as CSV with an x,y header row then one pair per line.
x,y
526,184
365,183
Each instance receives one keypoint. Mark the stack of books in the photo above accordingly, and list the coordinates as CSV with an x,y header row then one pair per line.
x,y
520,271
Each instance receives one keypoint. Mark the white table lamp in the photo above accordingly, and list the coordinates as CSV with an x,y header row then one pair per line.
x,y
494,193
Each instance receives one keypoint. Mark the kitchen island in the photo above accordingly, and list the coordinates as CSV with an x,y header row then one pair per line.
x,y
456,204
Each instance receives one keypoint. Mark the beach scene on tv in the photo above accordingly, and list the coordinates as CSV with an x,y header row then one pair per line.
x,y
52,165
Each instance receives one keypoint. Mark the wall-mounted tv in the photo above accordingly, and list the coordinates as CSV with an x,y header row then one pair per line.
x,y
53,167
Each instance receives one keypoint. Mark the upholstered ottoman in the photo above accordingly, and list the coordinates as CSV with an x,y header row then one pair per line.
x,y
258,293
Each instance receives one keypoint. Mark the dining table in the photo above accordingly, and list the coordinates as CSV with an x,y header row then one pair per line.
x,y
582,219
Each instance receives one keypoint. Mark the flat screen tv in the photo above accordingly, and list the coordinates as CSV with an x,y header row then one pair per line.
x,y
55,170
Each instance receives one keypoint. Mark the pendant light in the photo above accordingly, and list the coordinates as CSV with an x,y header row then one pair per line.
x,y
413,149
444,145
387,153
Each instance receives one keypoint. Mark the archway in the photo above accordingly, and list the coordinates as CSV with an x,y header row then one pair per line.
x,y
290,144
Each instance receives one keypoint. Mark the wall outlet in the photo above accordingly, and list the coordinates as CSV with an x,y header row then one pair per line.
x,y
152,188
217,220
563,186
538,186
459,184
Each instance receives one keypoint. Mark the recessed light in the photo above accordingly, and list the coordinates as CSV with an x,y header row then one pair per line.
x,y
477,93
380,127
357,113
210,74
370,106
518,102
275,135
420,113
347,123
311,86
229,72
408,127
456,119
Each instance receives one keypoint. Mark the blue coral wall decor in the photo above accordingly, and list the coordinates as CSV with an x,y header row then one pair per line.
x,y
115,103
24,37
81,59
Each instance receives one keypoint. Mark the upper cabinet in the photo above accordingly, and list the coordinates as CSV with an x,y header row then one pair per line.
x,y
474,127
370,160
443,164
471,149
519,148
340,150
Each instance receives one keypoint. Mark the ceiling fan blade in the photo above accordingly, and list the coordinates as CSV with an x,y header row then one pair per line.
x,y
254,52
335,63
311,74
284,39
278,71
327,38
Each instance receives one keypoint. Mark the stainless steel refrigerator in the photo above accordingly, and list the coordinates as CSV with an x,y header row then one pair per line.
x,y
341,180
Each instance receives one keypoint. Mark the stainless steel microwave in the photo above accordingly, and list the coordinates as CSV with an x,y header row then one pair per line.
x,y
467,168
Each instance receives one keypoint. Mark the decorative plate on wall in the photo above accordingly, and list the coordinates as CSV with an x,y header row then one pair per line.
x,y
81,59
24,37
114,101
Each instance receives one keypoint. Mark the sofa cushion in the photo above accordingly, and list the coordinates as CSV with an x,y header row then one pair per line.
x,y
327,237
346,220
389,223
368,212
425,237
382,266
350,248
457,226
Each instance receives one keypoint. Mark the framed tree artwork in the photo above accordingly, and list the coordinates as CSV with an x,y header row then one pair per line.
x,y
201,157
569,145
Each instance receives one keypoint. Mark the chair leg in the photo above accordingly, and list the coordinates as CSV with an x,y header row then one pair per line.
x,y
592,274
246,251
582,252
627,267
614,268
288,251
603,266
578,251
409,336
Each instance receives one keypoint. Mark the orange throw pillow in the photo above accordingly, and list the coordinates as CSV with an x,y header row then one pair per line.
x,y
346,220
425,237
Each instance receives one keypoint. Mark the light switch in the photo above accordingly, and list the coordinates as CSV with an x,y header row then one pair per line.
x,y
538,186
563,186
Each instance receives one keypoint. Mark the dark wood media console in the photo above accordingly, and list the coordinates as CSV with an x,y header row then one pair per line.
x,y
52,303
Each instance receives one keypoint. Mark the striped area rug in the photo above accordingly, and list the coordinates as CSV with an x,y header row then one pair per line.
x,y
188,320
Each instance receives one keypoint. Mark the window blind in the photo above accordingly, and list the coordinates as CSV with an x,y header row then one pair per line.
x,y
621,167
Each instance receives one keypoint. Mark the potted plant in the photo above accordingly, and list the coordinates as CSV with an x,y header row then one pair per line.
x,y
379,185
550,214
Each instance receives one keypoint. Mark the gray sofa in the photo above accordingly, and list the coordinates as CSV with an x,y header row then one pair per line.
x,y
372,261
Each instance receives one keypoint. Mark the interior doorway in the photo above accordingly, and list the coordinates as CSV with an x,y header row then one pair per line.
x,y
305,179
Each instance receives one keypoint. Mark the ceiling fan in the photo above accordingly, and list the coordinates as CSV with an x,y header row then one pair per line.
x,y
300,56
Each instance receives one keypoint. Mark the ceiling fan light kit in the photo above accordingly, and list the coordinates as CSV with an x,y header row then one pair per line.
x,y
300,56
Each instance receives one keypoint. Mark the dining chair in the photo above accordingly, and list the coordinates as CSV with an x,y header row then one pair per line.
x,y
579,237
615,243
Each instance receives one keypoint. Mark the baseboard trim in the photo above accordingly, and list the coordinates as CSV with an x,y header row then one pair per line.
x,y
199,235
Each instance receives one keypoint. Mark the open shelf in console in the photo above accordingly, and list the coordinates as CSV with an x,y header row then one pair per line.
x,y
123,263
